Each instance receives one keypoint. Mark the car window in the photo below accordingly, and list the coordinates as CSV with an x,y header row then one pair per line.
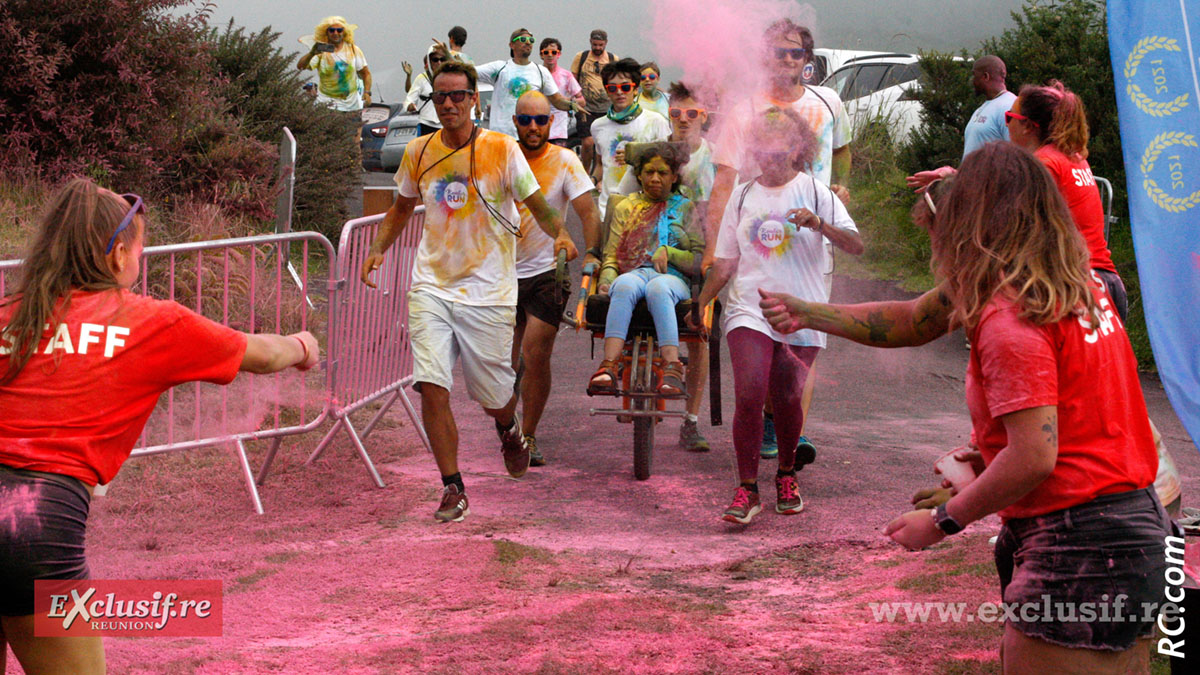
x,y
900,74
867,81
841,81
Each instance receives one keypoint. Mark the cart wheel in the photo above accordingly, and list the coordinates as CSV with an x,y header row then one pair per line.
x,y
643,439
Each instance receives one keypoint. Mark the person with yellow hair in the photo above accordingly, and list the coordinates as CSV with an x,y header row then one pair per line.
x,y
344,81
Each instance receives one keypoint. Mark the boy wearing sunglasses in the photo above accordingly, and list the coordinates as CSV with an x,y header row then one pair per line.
x,y
514,77
652,98
626,122
568,86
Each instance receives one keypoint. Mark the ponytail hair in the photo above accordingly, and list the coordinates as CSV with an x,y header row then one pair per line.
x,y
1059,116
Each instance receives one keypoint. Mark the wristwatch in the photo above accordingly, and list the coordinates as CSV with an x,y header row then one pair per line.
x,y
943,521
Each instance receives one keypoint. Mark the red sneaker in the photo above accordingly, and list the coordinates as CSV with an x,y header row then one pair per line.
x,y
744,507
453,507
788,500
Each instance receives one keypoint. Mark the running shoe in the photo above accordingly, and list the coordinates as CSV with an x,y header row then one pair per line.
x,y
788,499
770,447
744,507
512,446
690,437
453,507
806,452
535,455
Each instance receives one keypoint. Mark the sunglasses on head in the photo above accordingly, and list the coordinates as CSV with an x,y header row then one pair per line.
x,y
796,53
650,76
928,198
550,52
624,86
455,96
334,29
526,120
1010,116
690,113
136,206
527,39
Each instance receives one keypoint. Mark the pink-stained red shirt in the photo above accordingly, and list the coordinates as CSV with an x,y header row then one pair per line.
x,y
1075,181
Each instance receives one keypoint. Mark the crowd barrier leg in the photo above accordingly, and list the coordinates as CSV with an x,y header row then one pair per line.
x,y
344,421
379,415
270,458
249,476
416,420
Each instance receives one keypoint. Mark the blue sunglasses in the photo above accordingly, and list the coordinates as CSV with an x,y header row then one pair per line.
x,y
137,206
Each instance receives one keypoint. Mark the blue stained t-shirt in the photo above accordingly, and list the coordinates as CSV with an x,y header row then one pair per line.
x,y
987,123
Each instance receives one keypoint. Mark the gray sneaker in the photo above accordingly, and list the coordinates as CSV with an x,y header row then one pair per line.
x,y
453,507
512,446
690,437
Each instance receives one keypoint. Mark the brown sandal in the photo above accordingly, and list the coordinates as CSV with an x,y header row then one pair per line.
x,y
672,379
608,368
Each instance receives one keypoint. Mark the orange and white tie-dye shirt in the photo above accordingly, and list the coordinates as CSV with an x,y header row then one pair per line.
x,y
467,253
562,178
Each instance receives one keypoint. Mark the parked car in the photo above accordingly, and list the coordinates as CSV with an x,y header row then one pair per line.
x,y
402,128
375,118
878,90
826,61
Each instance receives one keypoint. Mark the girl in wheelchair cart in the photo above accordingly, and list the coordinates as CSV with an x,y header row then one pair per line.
x,y
651,249
772,237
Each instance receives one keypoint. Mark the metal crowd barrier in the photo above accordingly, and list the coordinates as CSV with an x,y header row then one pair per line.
x,y
242,283
370,354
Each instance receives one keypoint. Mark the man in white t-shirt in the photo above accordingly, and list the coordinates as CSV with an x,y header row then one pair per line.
x,y
787,49
462,303
540,299
514,77
626,122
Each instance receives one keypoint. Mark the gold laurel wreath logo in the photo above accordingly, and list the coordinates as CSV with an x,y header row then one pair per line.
x,y
1141,100
1150,156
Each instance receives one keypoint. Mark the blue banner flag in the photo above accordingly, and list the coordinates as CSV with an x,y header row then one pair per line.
x,y
1154,48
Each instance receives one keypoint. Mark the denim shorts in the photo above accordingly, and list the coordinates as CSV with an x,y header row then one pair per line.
x,y
1089,576
43,518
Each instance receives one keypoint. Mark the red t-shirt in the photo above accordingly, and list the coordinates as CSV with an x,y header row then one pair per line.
x,y
80,403
1074,178
1090,376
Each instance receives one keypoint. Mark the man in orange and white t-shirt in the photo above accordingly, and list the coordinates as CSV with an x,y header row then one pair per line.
x,y
464,284
540,304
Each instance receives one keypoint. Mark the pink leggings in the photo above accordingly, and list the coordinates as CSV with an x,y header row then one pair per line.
x,y
761,366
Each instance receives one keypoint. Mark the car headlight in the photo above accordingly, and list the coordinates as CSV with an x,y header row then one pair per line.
x,y
379,132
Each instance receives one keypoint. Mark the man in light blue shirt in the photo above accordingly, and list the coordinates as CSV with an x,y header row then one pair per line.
x,y
987,122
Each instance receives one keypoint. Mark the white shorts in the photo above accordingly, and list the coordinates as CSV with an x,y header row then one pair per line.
x,y
442,331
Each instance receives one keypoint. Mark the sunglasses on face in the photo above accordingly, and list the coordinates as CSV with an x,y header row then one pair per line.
x,y
624,86
136,207
649,77
690,113
334,29
550,52
455,96
526,120
1009,116
527,39
796,53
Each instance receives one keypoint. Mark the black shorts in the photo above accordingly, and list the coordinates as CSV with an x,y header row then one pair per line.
x,y
41,534
535,295
1116,291
583,124
1089,576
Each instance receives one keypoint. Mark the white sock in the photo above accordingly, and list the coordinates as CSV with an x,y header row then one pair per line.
x,y
690,417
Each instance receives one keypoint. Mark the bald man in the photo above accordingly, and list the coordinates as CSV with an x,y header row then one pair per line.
x,y
987,123
563,180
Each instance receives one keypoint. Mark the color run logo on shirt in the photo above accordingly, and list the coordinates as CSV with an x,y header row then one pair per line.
x,y
771,235
452,191
518,86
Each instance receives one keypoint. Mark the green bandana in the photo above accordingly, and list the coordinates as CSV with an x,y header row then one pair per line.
x,y
627,115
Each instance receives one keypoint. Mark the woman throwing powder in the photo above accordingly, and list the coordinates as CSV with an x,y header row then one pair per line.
x,y
1066,454
82,363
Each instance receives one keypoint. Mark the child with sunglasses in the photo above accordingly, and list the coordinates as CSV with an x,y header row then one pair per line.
x,y
773,237
651,97
79,351
514,77
551,50
626,122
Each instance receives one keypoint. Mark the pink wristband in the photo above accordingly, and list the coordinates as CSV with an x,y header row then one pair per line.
x,y
305,348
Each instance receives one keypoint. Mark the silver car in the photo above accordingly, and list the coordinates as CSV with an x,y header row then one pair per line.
x,y
403,128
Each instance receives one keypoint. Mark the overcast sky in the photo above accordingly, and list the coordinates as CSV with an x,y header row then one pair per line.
x,y
391,31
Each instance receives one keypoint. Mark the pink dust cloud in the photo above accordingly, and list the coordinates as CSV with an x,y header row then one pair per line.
x,y
717,43
15,506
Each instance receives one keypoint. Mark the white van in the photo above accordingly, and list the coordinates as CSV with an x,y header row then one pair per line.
x,y
878,88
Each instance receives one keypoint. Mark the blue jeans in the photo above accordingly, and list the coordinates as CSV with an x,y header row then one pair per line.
x,y
661,291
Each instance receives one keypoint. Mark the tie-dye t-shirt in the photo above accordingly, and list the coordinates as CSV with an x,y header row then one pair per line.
x,y
697,175
634,235
820,106
569,88
610,136
510,81
338,85
561,177
466,255
775,254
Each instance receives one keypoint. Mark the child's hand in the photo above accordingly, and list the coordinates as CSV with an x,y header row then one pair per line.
x,y
660,260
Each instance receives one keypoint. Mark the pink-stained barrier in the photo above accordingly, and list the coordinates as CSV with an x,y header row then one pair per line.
x,y
370,353
245,284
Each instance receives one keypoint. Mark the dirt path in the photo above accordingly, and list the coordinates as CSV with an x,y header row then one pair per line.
x,y
578,567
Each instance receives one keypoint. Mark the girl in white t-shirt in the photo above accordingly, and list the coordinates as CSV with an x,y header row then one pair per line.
x,y
772,237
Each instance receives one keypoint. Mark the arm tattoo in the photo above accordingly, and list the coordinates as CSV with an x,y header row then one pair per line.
x,y
879,326
1050,428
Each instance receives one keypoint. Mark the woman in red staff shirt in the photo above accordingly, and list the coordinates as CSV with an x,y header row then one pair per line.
x,y
1066,455
1050,122
82,363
